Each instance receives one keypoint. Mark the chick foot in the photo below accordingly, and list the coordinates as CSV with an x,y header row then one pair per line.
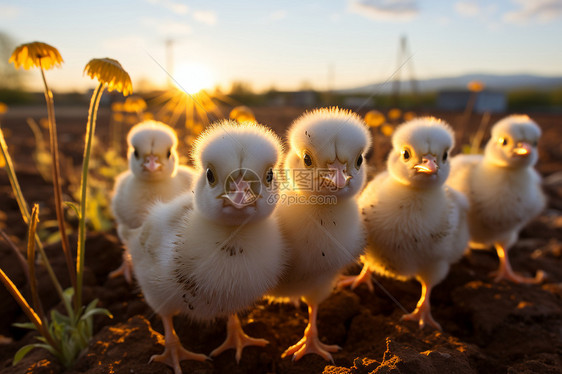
x,y
512,276
237,339
356,280
126,268
506,272
174,352
422,313
423,317
310,342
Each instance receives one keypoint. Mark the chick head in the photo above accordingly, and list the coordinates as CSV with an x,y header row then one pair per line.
x,y
152,151
513,143
326,155
236,164
420,152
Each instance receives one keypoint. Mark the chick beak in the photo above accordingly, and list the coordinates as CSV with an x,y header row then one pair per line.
x,y
427,166
239,194
151,163
522,149
337,176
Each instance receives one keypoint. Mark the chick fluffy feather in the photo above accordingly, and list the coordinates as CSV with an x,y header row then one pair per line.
x,y
416,226
502,186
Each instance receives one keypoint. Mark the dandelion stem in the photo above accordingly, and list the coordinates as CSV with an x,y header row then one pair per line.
x,y
90,129
56,179
31,262
22,204
25,210
477,140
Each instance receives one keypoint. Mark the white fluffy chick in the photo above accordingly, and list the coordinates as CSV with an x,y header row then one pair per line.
x,y
318,212
153,175
503,188
416,226
214,252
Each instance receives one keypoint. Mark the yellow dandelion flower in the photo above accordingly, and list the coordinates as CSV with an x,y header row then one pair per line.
x,y
36,54
134,104
394,114
110,72
242,114
475,86
409,116
387,129
3,108
374,118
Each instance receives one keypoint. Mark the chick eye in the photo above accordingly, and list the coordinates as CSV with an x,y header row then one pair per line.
x,y
503,141
406,154
269,176
445,156
359,161
136,153
210,177
169,154
307,159
535,143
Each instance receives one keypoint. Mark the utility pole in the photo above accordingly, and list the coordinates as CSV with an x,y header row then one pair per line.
x,y
404,59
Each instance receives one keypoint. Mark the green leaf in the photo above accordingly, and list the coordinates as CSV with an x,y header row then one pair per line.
x,y
74,207
67,298
26,349
59,318
22,352
92,305
95,311
25,325
49,348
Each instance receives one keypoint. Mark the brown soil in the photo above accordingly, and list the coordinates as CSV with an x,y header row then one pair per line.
x,y
487,327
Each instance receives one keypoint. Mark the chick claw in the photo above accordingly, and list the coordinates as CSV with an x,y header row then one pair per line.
x,y
506,272
237,339
422,314
308,345
174,353
510,275
356,280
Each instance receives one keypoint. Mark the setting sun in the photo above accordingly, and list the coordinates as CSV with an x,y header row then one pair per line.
x,y
193,77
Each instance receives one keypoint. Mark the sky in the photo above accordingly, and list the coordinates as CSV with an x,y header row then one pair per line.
x,y
289,44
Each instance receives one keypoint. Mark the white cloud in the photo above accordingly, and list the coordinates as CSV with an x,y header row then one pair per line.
x,y
278,15
467,8
389,10
9,11
174,6
537,10
208,17
167,27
